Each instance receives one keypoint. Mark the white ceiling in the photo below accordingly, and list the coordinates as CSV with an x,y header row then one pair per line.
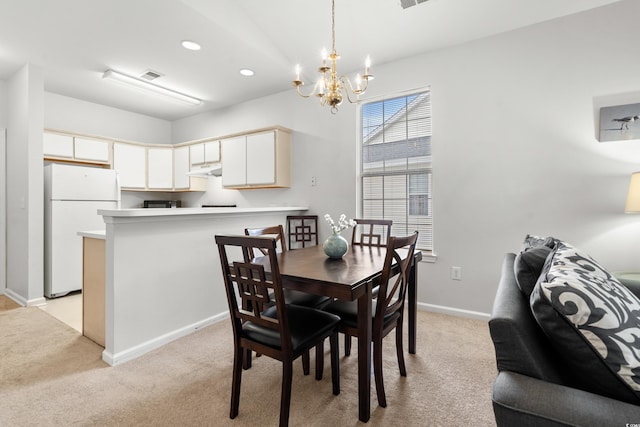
x,y
75,41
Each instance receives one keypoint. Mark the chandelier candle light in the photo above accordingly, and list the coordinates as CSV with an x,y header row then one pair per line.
x,y
336,246
329,86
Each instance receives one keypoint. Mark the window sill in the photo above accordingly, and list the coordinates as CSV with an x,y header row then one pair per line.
x,y
428,256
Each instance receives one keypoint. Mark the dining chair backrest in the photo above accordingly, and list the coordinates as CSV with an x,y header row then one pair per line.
x,y
393,285
248,282
302,231
371,232
275,230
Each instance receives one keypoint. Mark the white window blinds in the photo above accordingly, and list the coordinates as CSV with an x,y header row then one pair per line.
x,y
395,178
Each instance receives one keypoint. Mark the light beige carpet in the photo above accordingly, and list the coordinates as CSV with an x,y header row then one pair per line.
x,y
52,376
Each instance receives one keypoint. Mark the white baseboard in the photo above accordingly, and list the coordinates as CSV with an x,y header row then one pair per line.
x,y
139,350
19,299
454,311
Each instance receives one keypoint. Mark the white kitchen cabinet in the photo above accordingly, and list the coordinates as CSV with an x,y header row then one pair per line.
x,y
257,160
91,149
234,163
160,168
130,161
261,159
72,148
181,165
57,145
205,153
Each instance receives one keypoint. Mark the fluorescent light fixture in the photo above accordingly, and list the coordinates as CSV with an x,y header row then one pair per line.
x,y
246,72
143,84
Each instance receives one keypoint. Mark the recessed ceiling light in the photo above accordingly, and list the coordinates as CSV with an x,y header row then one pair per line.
x,y
246,72
191,45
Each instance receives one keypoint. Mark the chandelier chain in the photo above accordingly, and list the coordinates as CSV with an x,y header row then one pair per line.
x,y
333,25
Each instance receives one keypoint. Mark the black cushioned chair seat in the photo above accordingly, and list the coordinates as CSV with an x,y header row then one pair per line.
x,y
304,299
348,312
305,324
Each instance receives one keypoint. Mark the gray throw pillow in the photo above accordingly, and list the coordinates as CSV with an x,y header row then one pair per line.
x,y
530,261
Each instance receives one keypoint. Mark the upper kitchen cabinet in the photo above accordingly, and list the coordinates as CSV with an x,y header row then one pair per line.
x,y
160,168
181,167
257,160
130,162
60,146
57,145
92,150
205,153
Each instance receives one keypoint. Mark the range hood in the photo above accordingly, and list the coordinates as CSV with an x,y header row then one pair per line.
x,y
214,169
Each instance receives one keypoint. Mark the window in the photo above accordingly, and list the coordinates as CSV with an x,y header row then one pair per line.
x,y
395,175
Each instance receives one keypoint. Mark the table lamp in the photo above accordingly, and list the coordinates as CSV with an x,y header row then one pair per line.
x,y
633,196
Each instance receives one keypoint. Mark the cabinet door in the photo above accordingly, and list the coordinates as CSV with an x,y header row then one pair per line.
x,y
56,145
212,152
130,161
91,149
180,168
261,158
234,162
197,154
160,168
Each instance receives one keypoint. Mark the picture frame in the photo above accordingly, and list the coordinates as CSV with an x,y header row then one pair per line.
x,y
619,123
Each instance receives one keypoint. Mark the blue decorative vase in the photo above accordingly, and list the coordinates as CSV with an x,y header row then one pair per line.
x,y
335,246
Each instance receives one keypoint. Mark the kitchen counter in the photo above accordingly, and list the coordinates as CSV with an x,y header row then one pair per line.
x,y
182,212
163,275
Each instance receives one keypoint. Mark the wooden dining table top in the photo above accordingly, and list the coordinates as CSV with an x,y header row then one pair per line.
x,y
310,270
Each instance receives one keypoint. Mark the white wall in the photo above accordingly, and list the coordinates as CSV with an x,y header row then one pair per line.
x,y
24,201
74,115
515,152
3,186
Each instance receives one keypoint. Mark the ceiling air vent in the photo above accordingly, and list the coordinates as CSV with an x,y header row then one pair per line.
x,y
408,3
150,75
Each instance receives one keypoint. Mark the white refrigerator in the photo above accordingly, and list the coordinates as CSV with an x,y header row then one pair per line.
x,y
72,197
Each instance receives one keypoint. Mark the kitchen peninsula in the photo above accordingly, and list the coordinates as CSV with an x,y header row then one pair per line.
x,y
163,276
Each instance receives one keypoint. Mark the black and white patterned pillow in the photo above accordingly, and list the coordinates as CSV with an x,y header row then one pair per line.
x,y
593,320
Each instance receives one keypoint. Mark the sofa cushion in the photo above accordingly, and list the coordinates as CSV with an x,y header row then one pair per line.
x,y
532,241
592,320
530,261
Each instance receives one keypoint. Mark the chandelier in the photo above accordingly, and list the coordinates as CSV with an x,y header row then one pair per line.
x,y
329,87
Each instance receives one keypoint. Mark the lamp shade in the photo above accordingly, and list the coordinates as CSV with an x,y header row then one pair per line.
x,y
633,196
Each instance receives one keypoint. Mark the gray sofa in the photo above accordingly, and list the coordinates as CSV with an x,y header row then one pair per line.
x,y
536,384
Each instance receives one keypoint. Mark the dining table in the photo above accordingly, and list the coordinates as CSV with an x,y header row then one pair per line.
x,y
349,278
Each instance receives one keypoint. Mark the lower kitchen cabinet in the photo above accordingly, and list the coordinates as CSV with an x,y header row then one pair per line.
x,y
93,289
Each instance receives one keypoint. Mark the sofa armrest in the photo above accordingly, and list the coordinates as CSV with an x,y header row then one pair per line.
x,y
525,401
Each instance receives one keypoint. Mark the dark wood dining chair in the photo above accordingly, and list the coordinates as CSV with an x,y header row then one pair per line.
x,y
387,308
275,230
290,296
368,232
283,332
371,232
302,231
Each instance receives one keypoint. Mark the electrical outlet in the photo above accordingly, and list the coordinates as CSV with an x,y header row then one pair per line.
x,y
313,181
456,273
